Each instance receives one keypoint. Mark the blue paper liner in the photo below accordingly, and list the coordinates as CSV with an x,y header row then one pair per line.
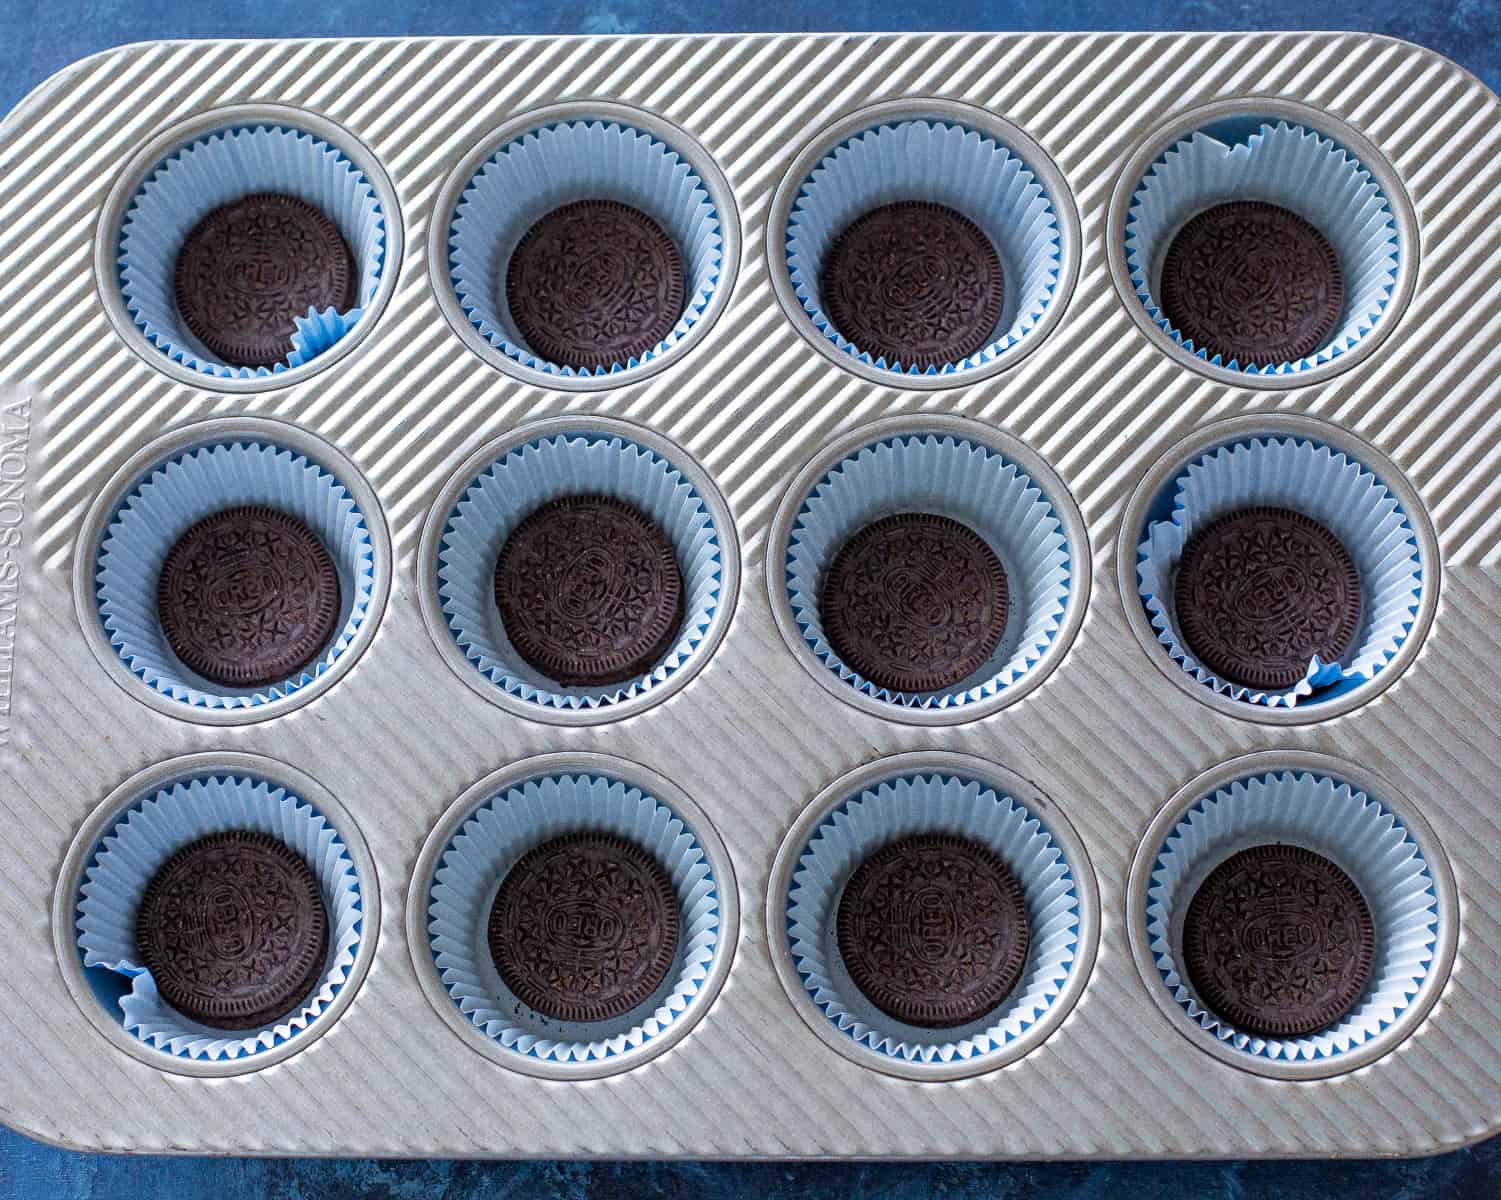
x,y
489,844
1331,818
1334,490
1294,168
554,165
945,164
957,478
212,171
518,483
184,489
932,803
144,837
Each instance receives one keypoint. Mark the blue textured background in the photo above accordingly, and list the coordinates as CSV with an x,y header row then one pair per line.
x,y
36,40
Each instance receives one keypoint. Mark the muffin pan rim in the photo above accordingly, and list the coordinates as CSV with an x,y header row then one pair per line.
x,y
1165,134
914,108
993,438
1374,784
456,181
771,1090
149,780
192,435
163,143
418,889
1003,780
1277,423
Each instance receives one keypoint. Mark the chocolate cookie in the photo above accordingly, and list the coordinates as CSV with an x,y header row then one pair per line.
x,y
933,930
252,265
233,929
1252,282
914,283
1278,941
914,602
595,283
589,591
1260,591
584,927
248,596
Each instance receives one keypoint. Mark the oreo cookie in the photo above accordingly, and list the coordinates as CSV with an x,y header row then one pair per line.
x,y
914,283
1253,283
1260,591
248,596
594,284
250,266
584,927
933,930
1278,941
589,591
914,602
233,929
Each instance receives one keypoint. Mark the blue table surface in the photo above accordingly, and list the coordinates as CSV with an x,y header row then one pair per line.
x,y
36,40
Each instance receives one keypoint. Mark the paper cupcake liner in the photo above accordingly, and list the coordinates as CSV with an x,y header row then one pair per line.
x,y
932,803
1282,164
555,165
514,486
944,164
219,168
144,838
188,487
489,844
1334,490
1348,827
969,483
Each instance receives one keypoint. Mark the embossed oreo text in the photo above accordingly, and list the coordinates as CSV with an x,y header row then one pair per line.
x,y
250,267
594,284
914,283
1278,941
584,927
1253,283
1261,591
933,930
915,602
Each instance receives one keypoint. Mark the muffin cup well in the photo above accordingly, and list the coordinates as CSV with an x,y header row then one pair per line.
x,y
1329,816
528,476
1288,165
183,488
493,838
932,793
144,837
1332,488
957,478
552,165
212,170
940,162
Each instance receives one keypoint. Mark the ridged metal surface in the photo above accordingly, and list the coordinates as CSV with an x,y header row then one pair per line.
x,y
754,737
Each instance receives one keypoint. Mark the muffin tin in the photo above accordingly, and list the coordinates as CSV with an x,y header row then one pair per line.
x,y
754,741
